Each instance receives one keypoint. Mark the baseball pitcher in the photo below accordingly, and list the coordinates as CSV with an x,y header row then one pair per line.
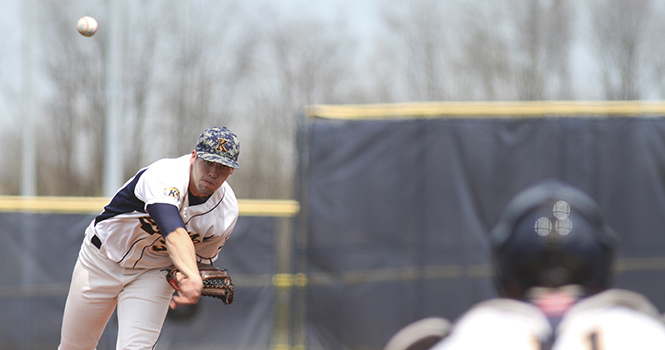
x,y
173,215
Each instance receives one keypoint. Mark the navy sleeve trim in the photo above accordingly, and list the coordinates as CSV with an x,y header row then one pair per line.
x,y
124,201
166,216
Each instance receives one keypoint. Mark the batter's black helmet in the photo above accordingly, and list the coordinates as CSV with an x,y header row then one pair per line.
x,y
551,235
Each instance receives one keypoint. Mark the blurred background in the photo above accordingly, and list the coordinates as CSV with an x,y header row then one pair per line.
x,y
385,221
252,65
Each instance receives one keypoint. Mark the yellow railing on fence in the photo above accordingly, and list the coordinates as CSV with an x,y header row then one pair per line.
x,y
495,109
94,205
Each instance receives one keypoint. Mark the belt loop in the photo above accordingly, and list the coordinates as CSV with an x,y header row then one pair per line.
x,y
96,242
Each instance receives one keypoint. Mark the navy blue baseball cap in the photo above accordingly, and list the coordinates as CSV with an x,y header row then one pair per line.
x,y
219,145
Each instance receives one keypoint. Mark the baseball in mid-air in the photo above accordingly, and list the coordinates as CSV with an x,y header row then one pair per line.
x,y
87,26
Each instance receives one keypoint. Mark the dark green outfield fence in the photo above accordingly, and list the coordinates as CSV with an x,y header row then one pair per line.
x,y
39,242
390,225
397,202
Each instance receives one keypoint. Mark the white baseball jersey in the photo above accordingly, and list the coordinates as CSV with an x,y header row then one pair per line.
x,y
500,324
614,319
131,238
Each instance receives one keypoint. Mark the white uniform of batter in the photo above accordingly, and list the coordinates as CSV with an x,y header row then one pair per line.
x,y
612,320
123,254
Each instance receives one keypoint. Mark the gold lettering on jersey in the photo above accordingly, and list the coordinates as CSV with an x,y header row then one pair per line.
x,y
148,225
172,192
195,237
220,145
160,245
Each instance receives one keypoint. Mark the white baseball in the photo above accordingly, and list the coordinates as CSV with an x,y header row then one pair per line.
x,y
87,26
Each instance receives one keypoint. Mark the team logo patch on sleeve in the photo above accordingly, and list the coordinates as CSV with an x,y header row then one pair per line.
x,y
172,192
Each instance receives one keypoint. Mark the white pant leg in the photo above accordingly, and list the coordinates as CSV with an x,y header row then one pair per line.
x,y
91,300
142,308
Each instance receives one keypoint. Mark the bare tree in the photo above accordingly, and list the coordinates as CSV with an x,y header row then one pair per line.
x,y
517,49
619,33
207,57
418,45
301,62
655,55
484,58
193,67
543,32
70,146
11,178
558,46
221,63
174,85
140,60
10,138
